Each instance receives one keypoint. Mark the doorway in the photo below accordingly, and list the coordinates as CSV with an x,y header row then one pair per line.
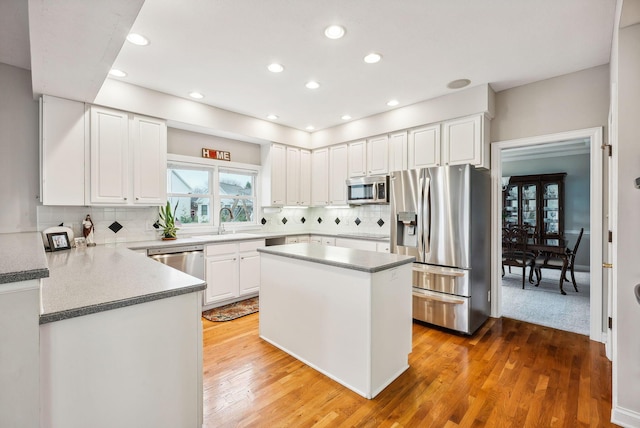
x,y
592,137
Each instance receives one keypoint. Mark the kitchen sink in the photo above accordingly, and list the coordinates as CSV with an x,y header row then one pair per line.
x,y
226,236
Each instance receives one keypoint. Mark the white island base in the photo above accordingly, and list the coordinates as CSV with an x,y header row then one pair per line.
x,y
354,326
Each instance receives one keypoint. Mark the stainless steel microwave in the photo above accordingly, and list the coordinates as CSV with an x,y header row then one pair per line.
x,y
368,190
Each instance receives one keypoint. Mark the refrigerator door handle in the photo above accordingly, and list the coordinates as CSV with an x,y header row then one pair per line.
x,y
420,224
425,207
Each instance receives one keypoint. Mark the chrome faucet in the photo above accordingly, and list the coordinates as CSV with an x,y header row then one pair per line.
x,y
221,225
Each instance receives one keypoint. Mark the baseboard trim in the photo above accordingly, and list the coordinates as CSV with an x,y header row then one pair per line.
x,y
625,417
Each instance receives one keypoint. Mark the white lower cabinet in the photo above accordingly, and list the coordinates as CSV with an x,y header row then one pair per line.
x,y
232,270
357,244
297,239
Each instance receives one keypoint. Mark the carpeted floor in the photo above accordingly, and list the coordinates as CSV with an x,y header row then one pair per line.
x,y
233,310
544,305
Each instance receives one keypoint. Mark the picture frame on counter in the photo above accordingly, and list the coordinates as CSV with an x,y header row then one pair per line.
x,y
58,241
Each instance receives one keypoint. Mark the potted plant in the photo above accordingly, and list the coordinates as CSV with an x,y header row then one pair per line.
x,y
167,221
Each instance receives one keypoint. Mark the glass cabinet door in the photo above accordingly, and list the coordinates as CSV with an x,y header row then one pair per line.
x,y
529,199
551,208
510,205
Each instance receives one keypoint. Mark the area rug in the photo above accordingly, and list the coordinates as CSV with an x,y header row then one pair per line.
x,y
544,305
232,311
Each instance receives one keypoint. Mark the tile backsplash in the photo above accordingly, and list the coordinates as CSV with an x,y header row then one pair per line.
x,y
135,224
114,225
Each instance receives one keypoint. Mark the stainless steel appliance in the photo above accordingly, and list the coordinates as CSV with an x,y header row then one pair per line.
x,y
368,190
188,258
442,217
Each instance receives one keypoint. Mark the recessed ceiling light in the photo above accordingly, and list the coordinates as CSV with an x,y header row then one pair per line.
x,y
117,73
372,58
310,128
334,31
346,117
272,117
457,84
137,39
196,95
312,84
392,103
275,68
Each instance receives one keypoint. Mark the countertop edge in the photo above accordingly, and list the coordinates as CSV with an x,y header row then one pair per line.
x,y
6,278
351,266
102,307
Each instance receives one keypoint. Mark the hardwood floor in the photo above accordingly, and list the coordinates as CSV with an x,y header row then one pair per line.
x,y
509,374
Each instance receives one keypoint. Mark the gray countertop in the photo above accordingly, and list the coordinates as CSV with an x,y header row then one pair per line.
x,y
22,257
83,281
366,261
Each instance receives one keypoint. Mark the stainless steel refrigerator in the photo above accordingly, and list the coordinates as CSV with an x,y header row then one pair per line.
x,y
441,216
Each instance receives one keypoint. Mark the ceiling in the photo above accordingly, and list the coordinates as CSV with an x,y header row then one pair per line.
x,y
221,48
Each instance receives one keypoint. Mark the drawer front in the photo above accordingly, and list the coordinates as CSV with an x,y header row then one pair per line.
x,y
444,280
440,309
250,245
218,249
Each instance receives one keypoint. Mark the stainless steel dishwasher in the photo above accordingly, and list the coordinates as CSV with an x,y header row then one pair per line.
x,y
188,258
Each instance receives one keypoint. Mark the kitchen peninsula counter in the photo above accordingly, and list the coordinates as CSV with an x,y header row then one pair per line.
x,y
344,312
83,281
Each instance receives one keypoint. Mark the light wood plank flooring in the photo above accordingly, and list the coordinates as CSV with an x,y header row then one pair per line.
x,y
509,374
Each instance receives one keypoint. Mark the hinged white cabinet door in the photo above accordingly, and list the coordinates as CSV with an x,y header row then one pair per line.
x,y
222,278
424,147
249,272
276,184
63,151
358,159
109,156
149,140
293,176
463,141
305,178
398,151
338,173
378,155
320,180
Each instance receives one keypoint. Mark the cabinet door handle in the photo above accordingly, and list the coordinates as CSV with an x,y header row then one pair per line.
x,y
125,199
137,199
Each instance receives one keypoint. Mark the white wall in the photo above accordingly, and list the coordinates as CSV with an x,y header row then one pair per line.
x,y
573,101
19,165
187,143
626,374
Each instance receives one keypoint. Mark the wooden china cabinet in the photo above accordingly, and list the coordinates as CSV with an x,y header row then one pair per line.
x,y
537,201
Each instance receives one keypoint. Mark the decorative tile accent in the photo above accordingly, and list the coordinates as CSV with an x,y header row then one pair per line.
x,y
358,221
337,220
380,222
303,220
319,220
263,221
284,220
115,227
156,225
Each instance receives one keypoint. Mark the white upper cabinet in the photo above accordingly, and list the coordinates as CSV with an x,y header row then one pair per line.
x,y
338,173
358,159
398,151
63,151
320,174
424,147
369,157
149,139
109,156
298,188
128,158
305,177
378,155
274,175
466,140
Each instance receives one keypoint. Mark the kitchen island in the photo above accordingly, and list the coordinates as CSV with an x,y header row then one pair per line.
x,y
344,312
120,341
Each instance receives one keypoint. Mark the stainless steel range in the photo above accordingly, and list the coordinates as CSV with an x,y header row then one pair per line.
x,y
441,216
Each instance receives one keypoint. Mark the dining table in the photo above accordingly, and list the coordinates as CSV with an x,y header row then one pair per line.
x,y
556,247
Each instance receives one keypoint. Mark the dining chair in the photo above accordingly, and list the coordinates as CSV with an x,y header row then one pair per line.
x,y
514,249
566,262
